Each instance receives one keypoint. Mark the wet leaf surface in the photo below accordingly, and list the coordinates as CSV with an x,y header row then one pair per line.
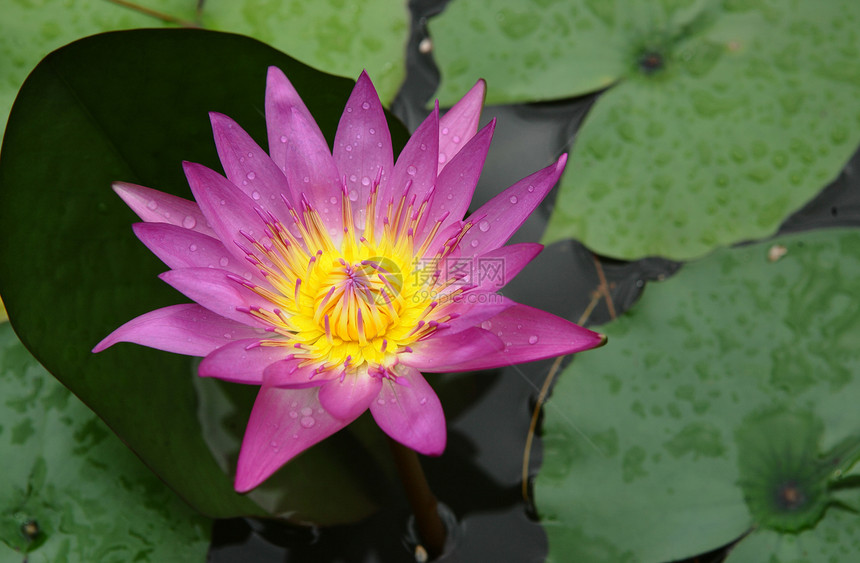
x,y
676,415
71,490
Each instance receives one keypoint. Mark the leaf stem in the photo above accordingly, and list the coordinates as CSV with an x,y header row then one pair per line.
x,y
424,505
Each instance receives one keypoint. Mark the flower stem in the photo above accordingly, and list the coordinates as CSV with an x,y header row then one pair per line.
x,y
431,529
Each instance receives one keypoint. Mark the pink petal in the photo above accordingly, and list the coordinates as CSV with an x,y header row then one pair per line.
x,y
440,351
348,398
493,270
497,220
286,373
281,100
248,166
312,172
474,309
154,206
362,145
410,412
283,423
183,248
460,122
456,183
182,329
531,334
241,361
228,210
416,165
212,288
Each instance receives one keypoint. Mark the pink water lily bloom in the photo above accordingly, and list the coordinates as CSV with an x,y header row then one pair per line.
x,y
333,278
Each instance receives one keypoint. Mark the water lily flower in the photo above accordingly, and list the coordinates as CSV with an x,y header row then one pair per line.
x,y
333,278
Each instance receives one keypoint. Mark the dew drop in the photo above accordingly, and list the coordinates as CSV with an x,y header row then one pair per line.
x,y
533,339
442,158
423,147
193,248
365,181
189,222
484,226
450,197
365,105
444,130
283,138
332,200
380,401
250,155
353,195
251,175
474,244
348,110
423,401
307,421
372,131
531,189
255,195
152,204
306,179
223,261
307,411
348,148
353,178
228,335
223,202
294,414
513,199
273,444
411,170
455,138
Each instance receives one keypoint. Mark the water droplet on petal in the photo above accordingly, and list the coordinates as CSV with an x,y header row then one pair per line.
x,y
411,170
228,335
444,130
223,202
189,222
255,195
307,421
442,158
423,147
423,401
533,339
365,181
332,200
294,414
365,105
484,226
307,411
306,179
193,248
455,138
251,175
283,138
353,195
152,204
380,401
353,178
531,189
513,199
348,148
372,131
450,197
474,244
224,261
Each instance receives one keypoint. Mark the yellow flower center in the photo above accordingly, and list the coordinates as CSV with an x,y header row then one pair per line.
x,y
357,305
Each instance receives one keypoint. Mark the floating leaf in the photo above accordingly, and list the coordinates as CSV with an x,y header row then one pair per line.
x,y
725,402
71,490
328,34
722,118
131,106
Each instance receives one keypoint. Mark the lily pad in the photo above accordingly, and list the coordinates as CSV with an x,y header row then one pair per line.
x,y
721,119
71,490
131,106
726,403
328,34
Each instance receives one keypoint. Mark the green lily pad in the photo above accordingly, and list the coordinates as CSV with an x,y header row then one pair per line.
x,y
327,34
721,119
725,402
71,490
131,106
